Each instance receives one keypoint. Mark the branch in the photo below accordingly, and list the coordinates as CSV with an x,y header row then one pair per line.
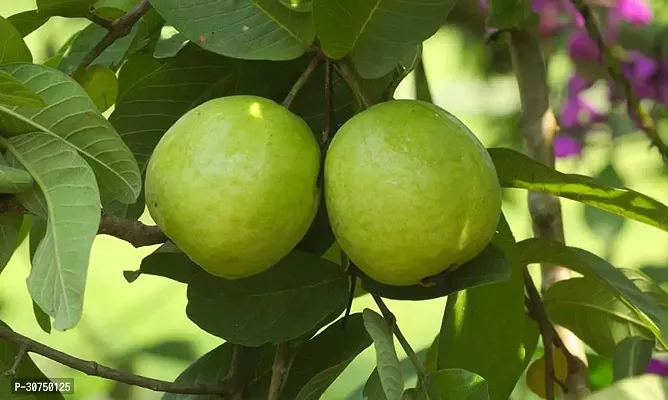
x,y
422,374
96,19
119,28
279,370
237,377
539,126
17,360
303,78
612,64
349,76
94,369
136,233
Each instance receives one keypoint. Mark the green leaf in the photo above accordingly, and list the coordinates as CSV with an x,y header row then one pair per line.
x,y
112,9
319,237
584,306
10,224
66,188
647,286
167,261
376,33
148,34
631,357
27,369
169,46
589,265
252,311
14,180
373,389
71,117
12,47
14,93
490,266
84,42
642,387
27,22
64,8
457,384
174,349
246,29
389,370
506,14
304,6
487,320
43,320
516,170
100,84
606,225
334,349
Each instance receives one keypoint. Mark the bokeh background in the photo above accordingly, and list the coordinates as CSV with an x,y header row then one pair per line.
x,y
142,326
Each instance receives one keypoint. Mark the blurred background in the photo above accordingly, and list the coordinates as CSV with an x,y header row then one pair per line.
x,y
142,326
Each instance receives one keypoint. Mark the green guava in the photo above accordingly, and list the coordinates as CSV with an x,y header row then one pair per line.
x,y
233,183
410,191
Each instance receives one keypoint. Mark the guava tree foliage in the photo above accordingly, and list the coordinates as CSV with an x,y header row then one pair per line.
x,y
77,132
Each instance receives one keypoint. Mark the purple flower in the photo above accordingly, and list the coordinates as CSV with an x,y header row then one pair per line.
x,y
657,366
578,112
636,12
566,146
582,47
578,84
641,70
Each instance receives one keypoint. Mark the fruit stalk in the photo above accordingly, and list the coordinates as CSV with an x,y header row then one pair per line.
x,y
348,75
303,78
539,126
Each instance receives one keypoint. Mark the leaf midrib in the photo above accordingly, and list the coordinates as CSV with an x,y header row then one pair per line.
x,y
276,21
366,22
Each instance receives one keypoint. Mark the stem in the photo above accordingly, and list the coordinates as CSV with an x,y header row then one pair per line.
x,y
329,105
539,126
105,23
303,78
94,369
237,376
279,370
422,374
117,29
17,360
613,64
349,76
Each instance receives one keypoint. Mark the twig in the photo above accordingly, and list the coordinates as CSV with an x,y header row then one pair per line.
x,y
94,369
613,65
303,78
422,374
119,28
330,123
237,376
136,233
17,360
539,127
279,370
349,76
105,23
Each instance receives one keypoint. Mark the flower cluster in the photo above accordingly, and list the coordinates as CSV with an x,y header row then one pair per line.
x,y
648,77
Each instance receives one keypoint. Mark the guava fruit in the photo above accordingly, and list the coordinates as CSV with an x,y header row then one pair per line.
x,y
233,183
410,191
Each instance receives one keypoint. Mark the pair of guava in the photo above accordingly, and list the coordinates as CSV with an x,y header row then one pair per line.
x,y
409,190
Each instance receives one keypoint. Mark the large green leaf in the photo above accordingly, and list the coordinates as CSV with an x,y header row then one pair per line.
x,y
167,261
516,170
376,33
252,311
506,14
642,387
66,189
583,262
490,266
27,369
457,384
65,8
36,233
246,29
14,180
27,22
631,357
389,370
647,286
71,117
10,224
320,361
12,47
594,313
14,93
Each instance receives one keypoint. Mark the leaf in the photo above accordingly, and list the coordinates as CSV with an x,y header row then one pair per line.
x,y
112,9
180,350
389,370
246,29
12,47
376,33
14,180
14,93
66,188
10,224
101,85
583,262
43,320
642,387
167,47
64,8
606,225
516,170
71,117
647,286
27,22
631,357
170,262
457,384
322,359
488,267
535,374
86,39
373,389
213,367
506,14
304,6
485,331
27,369
594,313
319,237
252,311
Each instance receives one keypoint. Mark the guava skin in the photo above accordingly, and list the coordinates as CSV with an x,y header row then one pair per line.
x,y
233,183
410,191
